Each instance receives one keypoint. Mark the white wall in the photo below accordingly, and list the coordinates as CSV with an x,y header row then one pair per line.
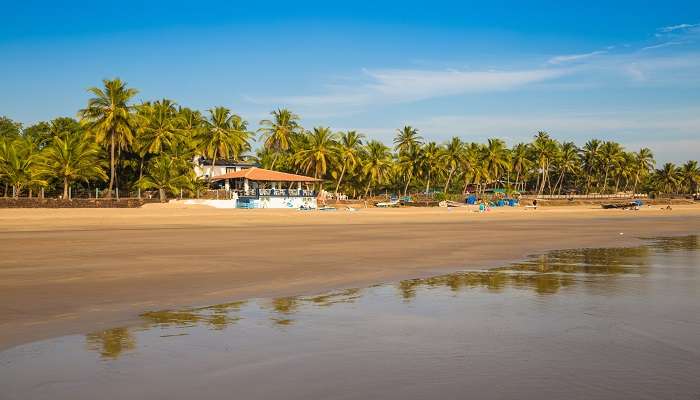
x,y
202,170
284,202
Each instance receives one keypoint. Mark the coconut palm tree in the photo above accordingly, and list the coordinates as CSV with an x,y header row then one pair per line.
x,y
109,117
158,124
224,135
407,143
567,162
428,163
406,139
165,174
376,163
643,164
545,150
591,159
452,155
278,133
611,154
72,158
320,149
349,153
407,163
19,164
520,161
495,158
690,176
667,178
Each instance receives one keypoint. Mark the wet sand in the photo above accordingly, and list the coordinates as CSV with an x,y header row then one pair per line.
x,y
76,270
605,323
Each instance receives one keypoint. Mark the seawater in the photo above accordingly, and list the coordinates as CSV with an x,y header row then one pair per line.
x,y
619,323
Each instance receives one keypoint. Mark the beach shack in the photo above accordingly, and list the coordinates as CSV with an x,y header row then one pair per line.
x,y
263,188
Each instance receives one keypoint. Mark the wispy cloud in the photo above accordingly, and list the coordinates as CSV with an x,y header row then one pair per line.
x,y
409,85
576,57
662,45
672,28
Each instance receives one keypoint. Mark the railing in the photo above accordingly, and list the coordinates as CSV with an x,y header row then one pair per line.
x,y
586,196
276,193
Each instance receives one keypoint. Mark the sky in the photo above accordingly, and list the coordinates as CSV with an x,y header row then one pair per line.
x,y
616,70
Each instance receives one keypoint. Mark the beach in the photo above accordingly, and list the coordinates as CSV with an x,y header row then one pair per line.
x,y
65,271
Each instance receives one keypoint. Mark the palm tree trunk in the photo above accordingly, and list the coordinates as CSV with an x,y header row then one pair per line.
x,y
367,189
449,178
427,185
65,188
111,166
560,183
211,169
140,175
605,181
408,182
636,181
340,180
161,195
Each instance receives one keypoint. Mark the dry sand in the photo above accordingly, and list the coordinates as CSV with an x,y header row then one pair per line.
x,y
68,271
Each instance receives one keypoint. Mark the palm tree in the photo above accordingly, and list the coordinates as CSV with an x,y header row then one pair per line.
x,y
545,149
429,160
520,161
19,164
320,149
376,163
667,178
611,154
408,162
108,115
472,166
72,158
158,124
165,174
407,143
643,163
349,152
591,160
690,176
451,157
495,158
278,133
407,139
224,135
567,163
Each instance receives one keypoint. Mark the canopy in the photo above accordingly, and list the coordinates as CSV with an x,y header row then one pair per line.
x,y
266,175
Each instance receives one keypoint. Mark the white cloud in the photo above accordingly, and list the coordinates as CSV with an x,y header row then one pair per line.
x,y
409,85
661,45
672,28
576,57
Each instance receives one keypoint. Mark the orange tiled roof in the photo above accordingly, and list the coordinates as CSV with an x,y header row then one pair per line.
x,y
261,174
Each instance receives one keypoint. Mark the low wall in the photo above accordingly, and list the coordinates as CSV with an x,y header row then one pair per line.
x,y
207,202
24,202
280,202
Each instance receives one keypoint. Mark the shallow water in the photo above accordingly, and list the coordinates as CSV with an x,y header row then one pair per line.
x,y
574,324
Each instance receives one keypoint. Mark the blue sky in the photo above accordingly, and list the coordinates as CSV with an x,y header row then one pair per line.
x,y
623,70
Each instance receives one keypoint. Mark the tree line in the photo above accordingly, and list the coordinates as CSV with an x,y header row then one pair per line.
x,y
117,144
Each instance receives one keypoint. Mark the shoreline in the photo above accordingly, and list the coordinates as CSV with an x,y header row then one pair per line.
x,y
86,270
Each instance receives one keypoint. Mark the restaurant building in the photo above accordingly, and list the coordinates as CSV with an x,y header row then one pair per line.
x,y
263,188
